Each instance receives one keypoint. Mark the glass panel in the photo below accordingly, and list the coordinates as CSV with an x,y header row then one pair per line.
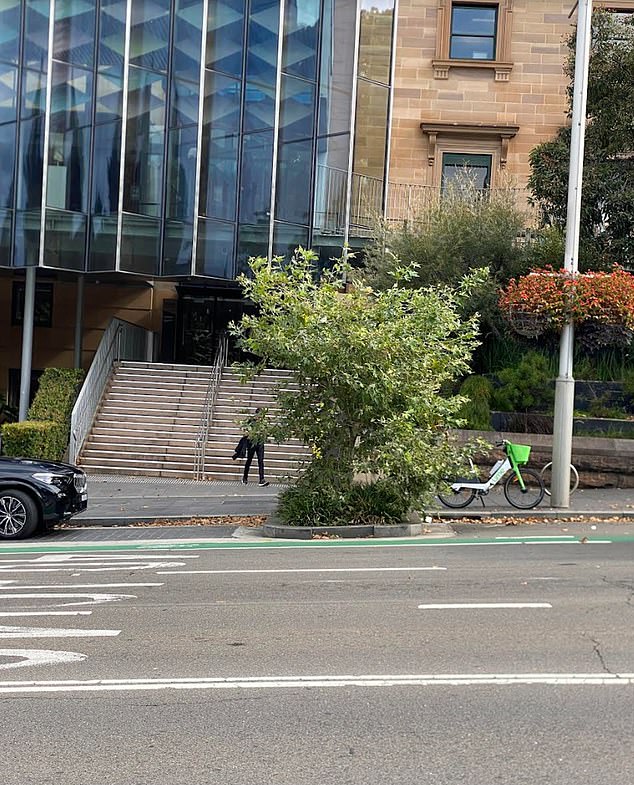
x,y
111,35
6,248
301,34
225,31
286,239
105,169
177,248
8,145
36,34
473,20
371,130
74,34
181,173
184,108
458,166
27,238
103,243
10,24
187,39
8,93
222,102
30,164
466,48
65,240
149,36
375,45
144,143
331,183
109,98
337,63
294,168
69,142
33,94
252,241
259,107
297,110
255,178
262,47
214,254
140,242
219,175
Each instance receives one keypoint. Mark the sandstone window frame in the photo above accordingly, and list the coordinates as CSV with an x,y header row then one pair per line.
x,y
502,65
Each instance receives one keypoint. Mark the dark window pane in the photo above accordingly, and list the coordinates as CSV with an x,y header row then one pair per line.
x,y
109,98
10,24
181,173
103,244
36,34
27,238
301,34
6,248
255,178
263,34
140,245
187,39
375,46
214,253
219,175
177,248
297,110
144,143
460,167
222,102
42,306
74,34
252,241
106,163
184,109
286,239
8,93
259,107
8,145
33,94
331,181
225,32
30,164
112,36
465,48
65,240
473,30
337,59
149,36
371,130
294,166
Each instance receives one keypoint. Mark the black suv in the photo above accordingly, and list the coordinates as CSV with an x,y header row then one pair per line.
x,y
35,494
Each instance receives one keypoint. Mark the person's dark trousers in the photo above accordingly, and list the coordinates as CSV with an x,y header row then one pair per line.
x,y
254,449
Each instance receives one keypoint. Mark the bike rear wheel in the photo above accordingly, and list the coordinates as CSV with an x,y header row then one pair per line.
x,y
533,491
547,474
457,499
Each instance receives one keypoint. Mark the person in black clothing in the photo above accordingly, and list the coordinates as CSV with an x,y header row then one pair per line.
x,y
254,448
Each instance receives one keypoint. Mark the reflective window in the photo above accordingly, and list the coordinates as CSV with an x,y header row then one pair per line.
x,y
222,102
149,34
225,32
219,175
64,240
8,93
473,29
331,180
8,145
337,56
30,164
297,109
187,39
33,94
105,169
294,167
112,15
27,238
375,40
262,46
140,245
181,173
144,143
177,248
214,252
103,243
301,36
36,34
255,178
6,248
456,167
371,130
252,241
70,97
109,98
74,34
259,107
287,238
10,24
184,103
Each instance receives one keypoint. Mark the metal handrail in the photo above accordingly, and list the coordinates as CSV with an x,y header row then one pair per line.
x,y
120,341
200,450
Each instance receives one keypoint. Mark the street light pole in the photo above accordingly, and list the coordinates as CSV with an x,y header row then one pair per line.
x,y
565,384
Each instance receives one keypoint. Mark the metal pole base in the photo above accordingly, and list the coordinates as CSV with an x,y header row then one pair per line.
x,y
562,441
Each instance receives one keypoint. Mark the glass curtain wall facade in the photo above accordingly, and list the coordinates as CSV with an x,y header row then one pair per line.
x,y
172,138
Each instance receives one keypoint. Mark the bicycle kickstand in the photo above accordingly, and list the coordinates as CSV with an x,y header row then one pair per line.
x,y
481,497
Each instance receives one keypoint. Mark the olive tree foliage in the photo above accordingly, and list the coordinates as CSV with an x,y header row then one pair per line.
x,y
369,367
607,208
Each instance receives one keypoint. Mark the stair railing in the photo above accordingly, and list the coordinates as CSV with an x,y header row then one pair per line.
x,y
120,341
200,450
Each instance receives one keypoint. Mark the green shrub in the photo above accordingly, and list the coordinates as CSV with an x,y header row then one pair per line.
x,y
477,410
34,439
526,386
56,394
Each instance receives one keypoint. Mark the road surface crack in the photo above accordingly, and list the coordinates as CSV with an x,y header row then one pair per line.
x,y
627,585
597,650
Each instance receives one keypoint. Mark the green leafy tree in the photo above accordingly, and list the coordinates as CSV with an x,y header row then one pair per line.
x,y
607,220
370,367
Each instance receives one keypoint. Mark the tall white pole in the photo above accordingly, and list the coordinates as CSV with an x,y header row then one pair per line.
x,y
565,384
28,320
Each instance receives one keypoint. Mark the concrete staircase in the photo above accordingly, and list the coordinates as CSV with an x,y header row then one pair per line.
x,y
150,415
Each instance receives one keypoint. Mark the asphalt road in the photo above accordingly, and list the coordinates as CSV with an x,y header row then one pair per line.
x,y
245,664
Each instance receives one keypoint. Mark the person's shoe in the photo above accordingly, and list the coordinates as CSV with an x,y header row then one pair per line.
x,y
244,482
263,484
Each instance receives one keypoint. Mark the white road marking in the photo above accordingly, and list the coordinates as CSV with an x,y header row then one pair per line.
x,y
80,568
295,682
93,599
46,613
79,586
316,569
53,632
74,557
543,537
28,657
483,605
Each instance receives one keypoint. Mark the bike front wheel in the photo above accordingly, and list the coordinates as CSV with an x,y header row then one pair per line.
x,y
533,491
547,475
457,499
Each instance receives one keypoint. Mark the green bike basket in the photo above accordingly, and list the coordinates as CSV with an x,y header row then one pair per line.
x,y
519,452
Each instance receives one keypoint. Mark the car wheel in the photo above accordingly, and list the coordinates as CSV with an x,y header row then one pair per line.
x,y
18,515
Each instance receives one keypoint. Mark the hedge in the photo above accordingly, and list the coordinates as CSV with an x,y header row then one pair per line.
x,y
45,432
